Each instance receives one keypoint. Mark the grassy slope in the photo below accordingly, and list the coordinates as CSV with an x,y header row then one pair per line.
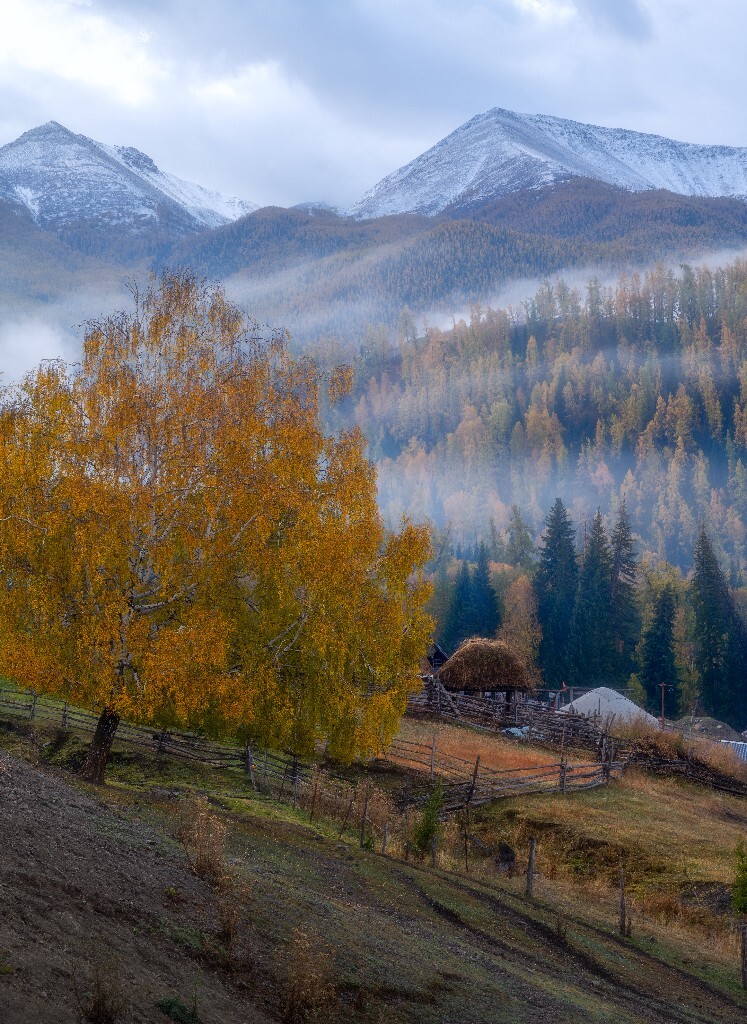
x,y
411,943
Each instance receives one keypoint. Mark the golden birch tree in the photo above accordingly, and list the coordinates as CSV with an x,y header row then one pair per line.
x,y
181,544
521,629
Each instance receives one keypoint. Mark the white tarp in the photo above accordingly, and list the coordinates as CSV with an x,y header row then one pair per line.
x,y
604,703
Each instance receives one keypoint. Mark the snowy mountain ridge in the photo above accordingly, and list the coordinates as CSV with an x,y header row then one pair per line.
x,y
502,151
62,178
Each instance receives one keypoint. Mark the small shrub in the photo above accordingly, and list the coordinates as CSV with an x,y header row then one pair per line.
x,y
428,826
103,1000
204,837
739,889
231,901
309,992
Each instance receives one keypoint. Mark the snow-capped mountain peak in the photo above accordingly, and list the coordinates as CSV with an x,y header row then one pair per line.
x,y
502,151
62,178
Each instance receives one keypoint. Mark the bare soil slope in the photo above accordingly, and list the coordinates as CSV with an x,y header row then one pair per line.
x,y
82,885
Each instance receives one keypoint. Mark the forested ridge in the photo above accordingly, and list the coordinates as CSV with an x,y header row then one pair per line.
x,y
636,391
317,271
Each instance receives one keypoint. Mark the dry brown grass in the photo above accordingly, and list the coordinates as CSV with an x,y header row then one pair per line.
x,y
101,999
203,835
482,664
309,992
232,896
495,751
709,754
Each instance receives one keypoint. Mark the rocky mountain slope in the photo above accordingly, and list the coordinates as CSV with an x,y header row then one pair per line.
x,y
67,181
500,152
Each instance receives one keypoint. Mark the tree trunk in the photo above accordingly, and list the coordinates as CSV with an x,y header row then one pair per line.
x,y
100,748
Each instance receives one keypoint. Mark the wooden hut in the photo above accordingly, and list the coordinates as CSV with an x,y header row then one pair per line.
x,y
436,656
482,667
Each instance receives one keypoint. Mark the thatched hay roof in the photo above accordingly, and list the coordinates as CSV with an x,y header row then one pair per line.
x,y
485,665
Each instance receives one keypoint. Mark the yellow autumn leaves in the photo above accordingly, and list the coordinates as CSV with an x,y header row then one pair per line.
x,y
181,543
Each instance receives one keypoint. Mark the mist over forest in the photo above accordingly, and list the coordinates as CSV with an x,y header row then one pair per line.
x,y
634,391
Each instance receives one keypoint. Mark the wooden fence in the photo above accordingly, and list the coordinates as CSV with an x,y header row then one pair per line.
x,y
537,721
464,782
470,782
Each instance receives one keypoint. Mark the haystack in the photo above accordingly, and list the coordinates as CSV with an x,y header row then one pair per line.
x,y
485,666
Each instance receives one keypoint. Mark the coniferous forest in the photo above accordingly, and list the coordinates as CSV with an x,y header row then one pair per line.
x,y
594,446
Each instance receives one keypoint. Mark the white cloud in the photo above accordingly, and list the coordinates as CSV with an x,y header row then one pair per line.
x,y
24,343
72,42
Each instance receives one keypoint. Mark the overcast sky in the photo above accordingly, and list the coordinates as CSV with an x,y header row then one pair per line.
x,y
281,101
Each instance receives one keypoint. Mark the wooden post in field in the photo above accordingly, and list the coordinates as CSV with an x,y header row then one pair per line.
x,y
347,815
530,867
365,815
562,778
623,909
32,709
64,717
466,846
313,797
474,781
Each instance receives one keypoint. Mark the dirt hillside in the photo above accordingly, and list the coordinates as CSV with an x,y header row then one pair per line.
x,y
84,887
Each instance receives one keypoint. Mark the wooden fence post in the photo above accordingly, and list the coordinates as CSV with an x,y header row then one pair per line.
x,y
562,777
313,798
347,815
32,709
623,910
64,717
365,815
249,764
474,780
466,846
530,867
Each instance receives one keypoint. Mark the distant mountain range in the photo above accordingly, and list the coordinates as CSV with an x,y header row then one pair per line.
x,y
71,184
500,152
506,196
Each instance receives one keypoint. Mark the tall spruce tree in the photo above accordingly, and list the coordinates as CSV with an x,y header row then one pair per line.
x,y
556,584
658,663
592,630
520,551
485,618
457,624
719,638
626,618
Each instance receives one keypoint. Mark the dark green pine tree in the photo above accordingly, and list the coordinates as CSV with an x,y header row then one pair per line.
x,y
457,624
626,617
657,652
520,550
719,638
485,618
556,583
593,627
